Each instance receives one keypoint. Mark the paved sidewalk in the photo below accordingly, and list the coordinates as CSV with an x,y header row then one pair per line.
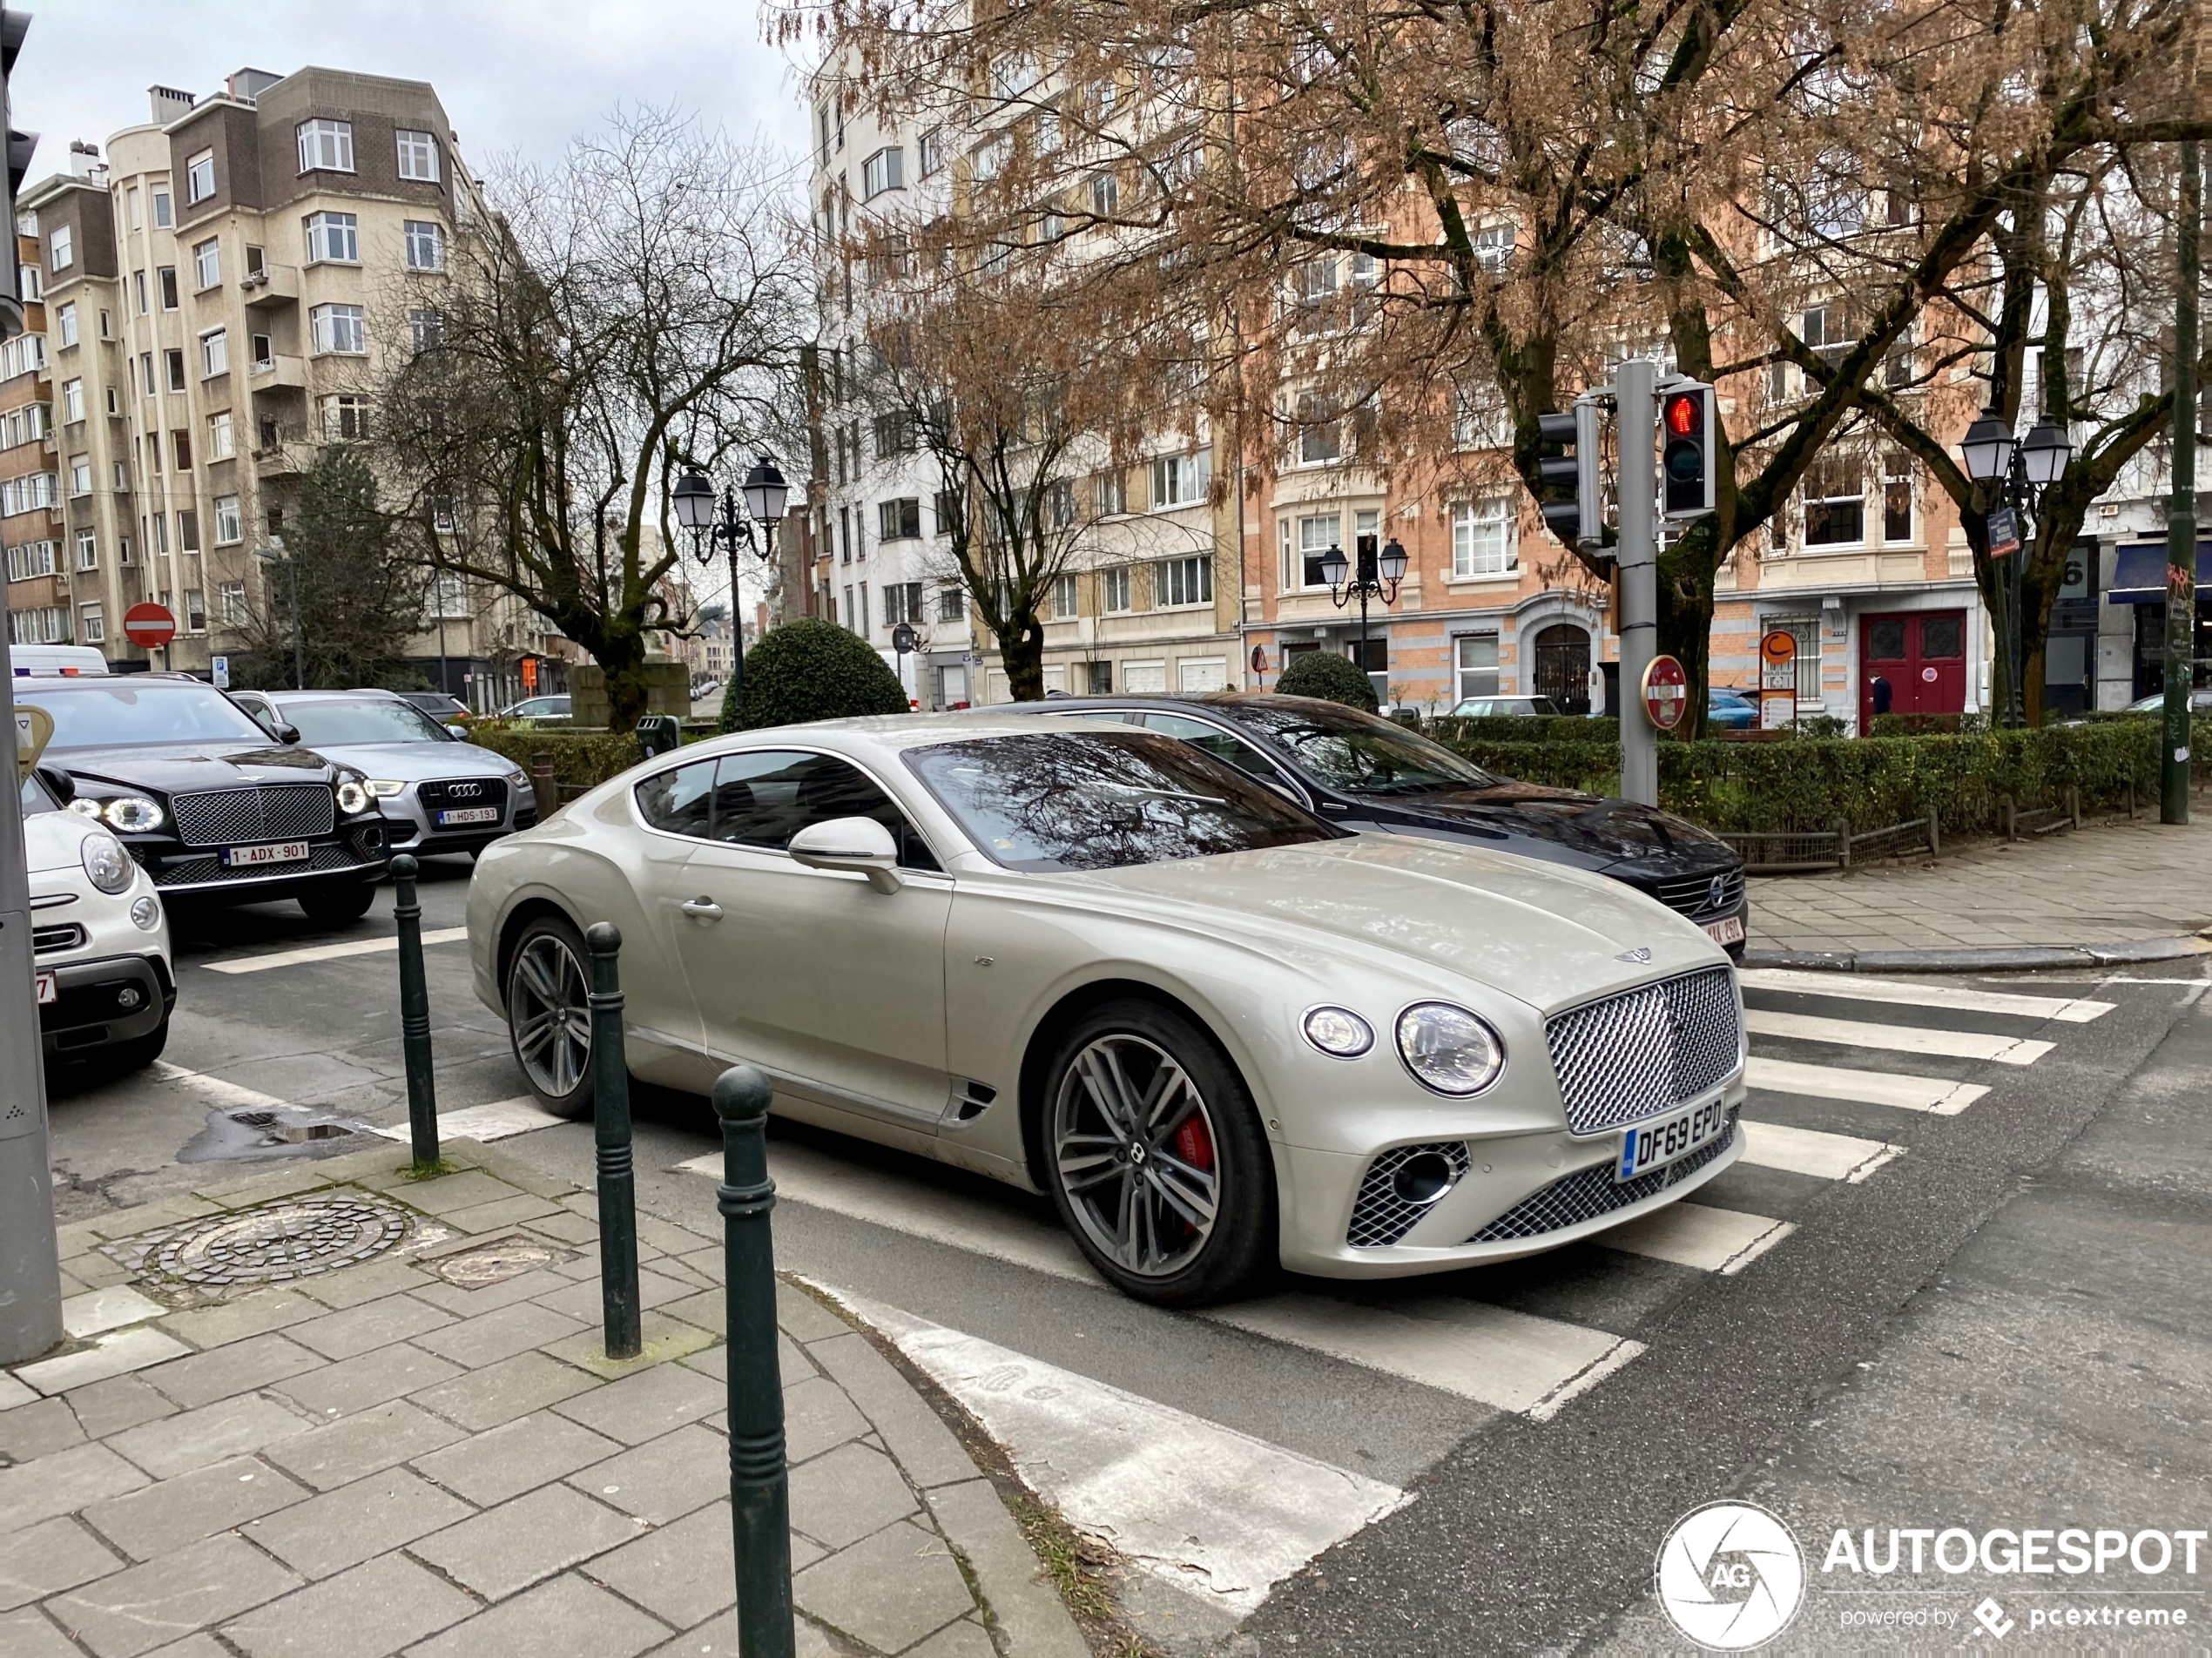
x,y
333,1412
2106,884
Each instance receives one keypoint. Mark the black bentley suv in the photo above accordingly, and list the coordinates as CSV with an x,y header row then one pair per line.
x,y
1364,772
212,808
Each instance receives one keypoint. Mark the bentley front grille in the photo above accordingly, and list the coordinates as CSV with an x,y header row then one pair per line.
x,y
1588,1193
1635,1055
241,816
1386,1209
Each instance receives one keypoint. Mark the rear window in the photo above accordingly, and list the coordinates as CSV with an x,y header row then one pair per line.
x,y
1102,799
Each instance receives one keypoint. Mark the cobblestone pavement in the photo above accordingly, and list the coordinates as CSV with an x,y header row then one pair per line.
x,y
261,1442
2101,884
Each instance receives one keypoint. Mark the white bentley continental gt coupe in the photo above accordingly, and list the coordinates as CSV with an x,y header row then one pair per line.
x,y
1098,963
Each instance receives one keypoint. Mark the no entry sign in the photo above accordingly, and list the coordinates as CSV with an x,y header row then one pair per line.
x,y
149,624
1666,693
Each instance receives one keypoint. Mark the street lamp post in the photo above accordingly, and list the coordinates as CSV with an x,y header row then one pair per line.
x,y
275,554
1376,575
765,492
2023,471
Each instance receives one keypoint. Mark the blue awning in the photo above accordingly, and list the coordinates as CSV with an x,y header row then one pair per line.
x,y
2139,572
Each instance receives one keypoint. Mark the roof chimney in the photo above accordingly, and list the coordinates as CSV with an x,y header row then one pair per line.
x,y
249,84
169,103
84,160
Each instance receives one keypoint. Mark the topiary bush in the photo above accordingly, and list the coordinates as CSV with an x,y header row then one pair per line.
x,y
813,669
1329,676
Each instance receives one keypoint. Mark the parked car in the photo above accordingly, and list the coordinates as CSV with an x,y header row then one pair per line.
x,y
99,937
439,793
1727,709
68,659
441,706
1367,773
1218,1029
212,807
554,707
2200,702
1495,707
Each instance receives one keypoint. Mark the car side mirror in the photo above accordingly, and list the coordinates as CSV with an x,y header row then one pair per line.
x,y
286,734
858,844
58,783
459,733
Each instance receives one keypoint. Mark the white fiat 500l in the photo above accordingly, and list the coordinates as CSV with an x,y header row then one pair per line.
x,y
1103,965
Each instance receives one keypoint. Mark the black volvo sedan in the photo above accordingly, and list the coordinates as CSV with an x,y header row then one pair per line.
x,y
200,796
1364,772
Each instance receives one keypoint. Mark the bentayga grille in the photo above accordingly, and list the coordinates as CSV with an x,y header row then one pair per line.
x,y
1715,895
1389,1205
240,817
195,872
456,794
1639,1053
1588,1193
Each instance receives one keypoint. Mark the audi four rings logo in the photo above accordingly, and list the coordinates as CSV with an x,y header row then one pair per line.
x,y
464,791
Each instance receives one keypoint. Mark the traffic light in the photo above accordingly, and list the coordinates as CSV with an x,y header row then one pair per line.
x,y
1687,447
13,27
1566,464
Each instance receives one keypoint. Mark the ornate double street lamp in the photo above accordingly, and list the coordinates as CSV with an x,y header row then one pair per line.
x,y
696,509
2023,470
1377,577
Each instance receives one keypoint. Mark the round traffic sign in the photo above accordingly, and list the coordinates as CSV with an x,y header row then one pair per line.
x,y
1778,646
149,624
1666,693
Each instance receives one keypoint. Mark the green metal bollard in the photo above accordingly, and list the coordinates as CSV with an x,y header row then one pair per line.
x,y
759,1483
414,1016
611,1125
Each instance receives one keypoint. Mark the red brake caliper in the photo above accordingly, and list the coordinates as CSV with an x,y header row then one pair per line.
x,y
1193,1144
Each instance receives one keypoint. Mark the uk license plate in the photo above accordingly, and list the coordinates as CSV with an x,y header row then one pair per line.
x,y
1728,930
467,814
277,852
1664,1140
48,990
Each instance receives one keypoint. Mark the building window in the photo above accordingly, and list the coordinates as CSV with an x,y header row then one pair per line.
x,y
138,281
945,511
1483,538
230,522
1806,629
162,216
426,245
195,611
200,177
215,353
222,436
1480,418
88,550
1314,534
188,532
168,274
1835,498
1897,495
73,401
1181,581
1064,598
207,263
91,625
47,625
1475,663
80,474
418,157
1180,480
449,596
1493,247
334,236
1113,493
899,520
1320,432
173,360
123,488
325,145
344,417
931,158
849,610
952,603
901,602
131,198
30,561
65,325
263,353
338,328
61,248
885,170
895,433
1105,195
1114,589
427,329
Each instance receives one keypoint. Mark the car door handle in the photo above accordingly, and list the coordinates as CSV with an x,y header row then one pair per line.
x,y
705,909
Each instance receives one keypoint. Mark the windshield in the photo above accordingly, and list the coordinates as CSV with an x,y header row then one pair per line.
x,y
1344,749
332,724
35,797
1064,800
122,715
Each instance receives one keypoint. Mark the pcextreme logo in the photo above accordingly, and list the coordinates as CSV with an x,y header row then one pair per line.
x,y
1730,1576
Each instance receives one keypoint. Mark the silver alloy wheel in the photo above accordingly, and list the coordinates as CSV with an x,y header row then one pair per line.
x,y
548,1010
1125,1123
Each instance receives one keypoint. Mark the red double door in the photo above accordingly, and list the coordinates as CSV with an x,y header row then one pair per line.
x,y
1922,654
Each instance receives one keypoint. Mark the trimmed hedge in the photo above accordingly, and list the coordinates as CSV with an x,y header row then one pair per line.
x,y
581,760
1329,676
1526,728
811,669
1872,781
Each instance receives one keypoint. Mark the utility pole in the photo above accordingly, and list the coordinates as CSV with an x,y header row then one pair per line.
x,y
2180,517
30,1280
1635,398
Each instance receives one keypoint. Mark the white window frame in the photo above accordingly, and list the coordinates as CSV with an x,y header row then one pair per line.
x,y
164,212
1469,670
72,401
231,596
199,178
1180,481
338,330
230,521
66,324
207,264
61,248
1183,583
1486,538
80,474
215,354
222,435
1115,590
334,239
325,145
417,149
92,624
883,171
88,550
425,242
339,410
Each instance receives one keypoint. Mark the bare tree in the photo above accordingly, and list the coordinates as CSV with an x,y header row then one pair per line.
x,y
641,303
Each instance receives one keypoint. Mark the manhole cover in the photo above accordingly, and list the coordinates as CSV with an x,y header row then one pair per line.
x,y
298,1237
498,1261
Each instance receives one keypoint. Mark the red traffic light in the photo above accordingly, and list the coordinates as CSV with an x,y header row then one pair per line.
x,y
1683,415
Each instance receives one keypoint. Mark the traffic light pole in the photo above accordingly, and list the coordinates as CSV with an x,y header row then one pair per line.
x,y
1635,392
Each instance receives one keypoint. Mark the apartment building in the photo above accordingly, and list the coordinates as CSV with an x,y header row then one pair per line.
x,y
225,290
30,509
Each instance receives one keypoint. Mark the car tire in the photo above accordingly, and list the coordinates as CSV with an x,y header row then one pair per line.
x,y
141,1051
333,904
549,1014
1200,1140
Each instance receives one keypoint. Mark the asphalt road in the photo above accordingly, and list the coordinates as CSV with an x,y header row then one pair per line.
x,y
1985,1317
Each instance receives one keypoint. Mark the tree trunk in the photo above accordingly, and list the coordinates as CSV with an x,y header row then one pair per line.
x,y
622,658
1021,650
1685,621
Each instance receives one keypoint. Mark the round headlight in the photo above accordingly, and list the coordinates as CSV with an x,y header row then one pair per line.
x,y
1338,1032
132,813
1448,1048
106,865
84,808
146,913
353,799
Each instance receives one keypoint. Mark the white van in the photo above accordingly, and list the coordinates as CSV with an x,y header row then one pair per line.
x,y
56,660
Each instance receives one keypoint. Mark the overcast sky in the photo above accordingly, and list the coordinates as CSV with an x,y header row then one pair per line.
x,y
513,74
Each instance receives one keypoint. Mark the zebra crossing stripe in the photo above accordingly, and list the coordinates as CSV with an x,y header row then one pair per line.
x,y
1899,1039
1938,1095
1807,1151
480,1122
1848,987
1712,1240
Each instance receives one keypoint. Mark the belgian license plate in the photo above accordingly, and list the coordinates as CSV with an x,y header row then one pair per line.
x,y
1664,1140
468,814
48,990
277,852
1729,930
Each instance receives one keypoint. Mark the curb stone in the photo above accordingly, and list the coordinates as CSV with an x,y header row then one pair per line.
x,y
1997,959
